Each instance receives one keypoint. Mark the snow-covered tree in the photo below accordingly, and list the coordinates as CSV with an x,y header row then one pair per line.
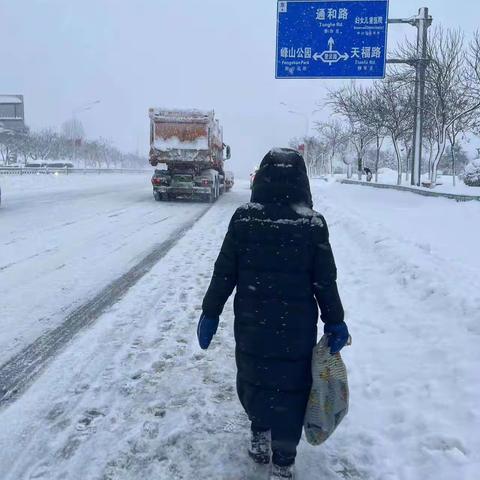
x,y
453,78
472,174
73,129
348,103
373,115
334,138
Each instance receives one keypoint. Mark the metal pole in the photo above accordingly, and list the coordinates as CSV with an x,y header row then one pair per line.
x,y
306,151
74,155
422,23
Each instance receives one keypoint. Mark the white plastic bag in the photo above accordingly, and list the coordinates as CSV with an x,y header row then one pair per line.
x,y
328,402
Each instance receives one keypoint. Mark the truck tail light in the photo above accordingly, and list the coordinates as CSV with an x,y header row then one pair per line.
x,y
206,183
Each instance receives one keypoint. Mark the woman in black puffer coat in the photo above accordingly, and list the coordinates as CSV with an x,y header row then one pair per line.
x,y
278,256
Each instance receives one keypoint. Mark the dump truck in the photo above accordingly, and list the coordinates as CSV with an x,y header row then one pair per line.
x,y
188,144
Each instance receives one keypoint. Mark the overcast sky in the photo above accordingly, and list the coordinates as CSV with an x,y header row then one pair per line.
x,y
134,54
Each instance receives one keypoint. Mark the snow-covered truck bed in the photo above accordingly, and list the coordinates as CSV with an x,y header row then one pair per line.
x,y
190,144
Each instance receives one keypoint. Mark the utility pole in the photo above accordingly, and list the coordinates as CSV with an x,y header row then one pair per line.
x,y
422,22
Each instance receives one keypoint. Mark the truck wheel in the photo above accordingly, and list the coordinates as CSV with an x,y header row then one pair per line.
x,y
211,197
157,196
165,197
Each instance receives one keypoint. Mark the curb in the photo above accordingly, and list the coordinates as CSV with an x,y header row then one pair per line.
x,y
418,191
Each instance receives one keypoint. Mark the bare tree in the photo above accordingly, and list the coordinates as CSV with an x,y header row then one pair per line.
x,y
74,133
372,114
429,133
73,129
8,142
395,105
48,145
45,144
454,80
317,154
334,137
458,129
348,102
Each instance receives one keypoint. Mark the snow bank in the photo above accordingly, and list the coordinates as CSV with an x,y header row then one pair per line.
x,y
472,174
389,176
410,285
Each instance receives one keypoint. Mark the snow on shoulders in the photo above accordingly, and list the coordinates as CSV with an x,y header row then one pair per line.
x,y
305,211
279,221
282,165
251,206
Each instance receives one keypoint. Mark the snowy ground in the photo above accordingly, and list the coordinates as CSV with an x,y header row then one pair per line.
x,y
62,238
445,182
134,396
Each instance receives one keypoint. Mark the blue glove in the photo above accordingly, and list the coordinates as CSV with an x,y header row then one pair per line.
x,y
207,328
337,334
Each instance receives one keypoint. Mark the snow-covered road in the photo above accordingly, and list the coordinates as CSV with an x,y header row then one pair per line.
x,y
134,396
64,238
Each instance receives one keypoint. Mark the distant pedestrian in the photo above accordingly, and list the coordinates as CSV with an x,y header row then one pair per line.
x,y
278,256
368,174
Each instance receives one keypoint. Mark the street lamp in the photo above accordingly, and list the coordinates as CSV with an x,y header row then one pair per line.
x,y
75,111
82,108
306,117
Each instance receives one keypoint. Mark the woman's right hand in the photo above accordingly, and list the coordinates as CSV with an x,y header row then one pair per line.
x,y
207,328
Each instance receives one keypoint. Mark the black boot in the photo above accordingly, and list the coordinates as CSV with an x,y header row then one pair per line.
x,y
259,449
282,473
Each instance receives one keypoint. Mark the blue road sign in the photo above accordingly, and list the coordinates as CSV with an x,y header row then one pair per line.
x,y
331,38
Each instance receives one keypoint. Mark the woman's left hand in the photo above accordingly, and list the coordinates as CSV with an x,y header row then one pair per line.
x,y
338,336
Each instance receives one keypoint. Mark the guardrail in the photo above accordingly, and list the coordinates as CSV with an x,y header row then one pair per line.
x,y
65,171
419,191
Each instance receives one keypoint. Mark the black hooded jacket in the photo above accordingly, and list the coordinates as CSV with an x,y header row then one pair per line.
x,y
278,256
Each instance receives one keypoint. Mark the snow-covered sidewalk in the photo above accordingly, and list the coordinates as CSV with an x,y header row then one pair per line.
x,y
134,396
388,176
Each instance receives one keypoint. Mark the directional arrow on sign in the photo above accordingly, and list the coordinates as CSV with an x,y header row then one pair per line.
x,y
330,56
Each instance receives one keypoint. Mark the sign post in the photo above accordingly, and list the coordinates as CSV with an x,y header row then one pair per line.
x,y
348,39
422,22
331,38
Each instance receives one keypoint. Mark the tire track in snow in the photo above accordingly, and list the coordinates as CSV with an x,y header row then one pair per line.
x,y
21,370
